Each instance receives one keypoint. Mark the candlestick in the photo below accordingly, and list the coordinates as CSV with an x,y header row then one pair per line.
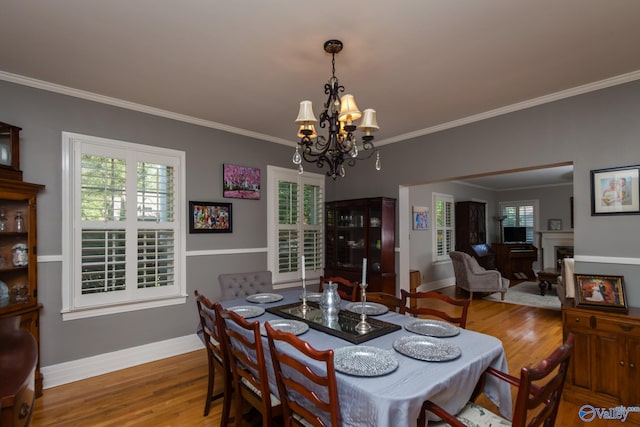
x,y
363,326
304,308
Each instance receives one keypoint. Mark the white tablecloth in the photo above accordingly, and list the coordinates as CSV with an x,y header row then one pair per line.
x,y
395,399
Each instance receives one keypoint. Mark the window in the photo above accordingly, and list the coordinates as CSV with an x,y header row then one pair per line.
x,y
521,214
123,232
296,223
443,230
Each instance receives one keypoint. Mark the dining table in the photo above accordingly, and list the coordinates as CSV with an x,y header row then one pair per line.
x,y
394,399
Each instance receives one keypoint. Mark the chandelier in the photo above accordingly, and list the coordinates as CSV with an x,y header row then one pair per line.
x,y
339,117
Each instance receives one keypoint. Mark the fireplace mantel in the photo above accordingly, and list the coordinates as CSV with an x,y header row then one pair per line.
x,y
549,240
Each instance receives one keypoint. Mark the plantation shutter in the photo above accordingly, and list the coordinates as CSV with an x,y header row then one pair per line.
x,y
103,214
288,224
156,234
295,218
443,227
112,240
313,209
520,214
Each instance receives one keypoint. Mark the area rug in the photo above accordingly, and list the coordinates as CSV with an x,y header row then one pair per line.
x,y
528,293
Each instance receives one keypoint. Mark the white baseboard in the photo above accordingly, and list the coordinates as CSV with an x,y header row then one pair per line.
x,y
438,284
75,370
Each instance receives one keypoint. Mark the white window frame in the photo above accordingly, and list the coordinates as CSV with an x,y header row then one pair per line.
x,y
274,175
78,306
536,213
447,198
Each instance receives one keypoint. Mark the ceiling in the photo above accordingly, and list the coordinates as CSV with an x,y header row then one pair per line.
x,y
244,66
532,178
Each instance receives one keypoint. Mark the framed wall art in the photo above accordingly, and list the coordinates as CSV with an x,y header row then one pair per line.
x,y
615,191
210,217
240,182
420,218
600,292
555,224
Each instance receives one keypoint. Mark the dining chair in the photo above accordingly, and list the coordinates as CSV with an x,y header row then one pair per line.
x,y
240,285
309,397
347,289
216,357
243,343
537,401
440,305
392,302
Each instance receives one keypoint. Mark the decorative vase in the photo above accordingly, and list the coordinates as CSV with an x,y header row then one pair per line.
x,y
330,302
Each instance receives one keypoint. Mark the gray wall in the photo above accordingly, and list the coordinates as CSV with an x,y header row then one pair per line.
x,y
421,241
43,116
596,130
553,203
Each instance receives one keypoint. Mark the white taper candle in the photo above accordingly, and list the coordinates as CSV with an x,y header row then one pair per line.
x,y
364,271
303,274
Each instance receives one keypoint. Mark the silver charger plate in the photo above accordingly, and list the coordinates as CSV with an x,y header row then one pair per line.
x,y
426,348
364,361
432,328
264,298
294,327
313,296
247,311
370,308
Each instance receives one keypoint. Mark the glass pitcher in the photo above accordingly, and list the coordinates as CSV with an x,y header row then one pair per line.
x,y
330,301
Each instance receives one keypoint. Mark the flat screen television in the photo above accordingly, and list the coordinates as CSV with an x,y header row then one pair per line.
x,y
515,234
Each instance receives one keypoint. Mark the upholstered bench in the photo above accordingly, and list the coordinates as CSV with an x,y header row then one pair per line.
x,y
238,285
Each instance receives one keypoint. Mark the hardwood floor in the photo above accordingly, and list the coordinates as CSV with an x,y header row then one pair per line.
x,y
171,392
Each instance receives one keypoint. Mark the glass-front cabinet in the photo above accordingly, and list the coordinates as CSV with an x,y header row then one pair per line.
x,y
362,229
18,257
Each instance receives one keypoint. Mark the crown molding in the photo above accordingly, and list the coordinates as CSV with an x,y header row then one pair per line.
x,y
568,93
90,96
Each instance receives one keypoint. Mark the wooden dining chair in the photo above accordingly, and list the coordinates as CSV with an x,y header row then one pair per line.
x,y
537,401
216,358
392,302
242,342
309,397
346,289
435,304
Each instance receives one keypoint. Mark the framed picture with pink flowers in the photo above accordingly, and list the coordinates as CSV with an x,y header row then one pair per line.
x,y
240,182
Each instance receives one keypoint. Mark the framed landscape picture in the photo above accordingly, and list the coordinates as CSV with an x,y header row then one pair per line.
x,y
210,217
600,292
615,191
240,182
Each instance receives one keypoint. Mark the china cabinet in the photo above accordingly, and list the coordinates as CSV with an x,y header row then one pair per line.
x,y
10,152
471,233
18,258
358,229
